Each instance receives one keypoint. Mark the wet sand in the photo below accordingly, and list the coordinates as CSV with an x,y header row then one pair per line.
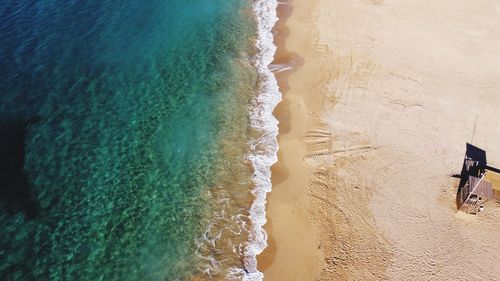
x,y
292,253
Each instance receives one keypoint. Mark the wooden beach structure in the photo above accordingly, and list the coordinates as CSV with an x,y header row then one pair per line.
x,y
479,182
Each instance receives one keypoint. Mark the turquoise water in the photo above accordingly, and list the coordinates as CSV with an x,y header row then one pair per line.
x,y
118,120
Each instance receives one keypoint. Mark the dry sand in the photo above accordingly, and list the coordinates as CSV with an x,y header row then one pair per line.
x,y
374,123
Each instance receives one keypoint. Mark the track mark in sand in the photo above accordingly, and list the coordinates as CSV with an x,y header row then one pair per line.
x,y
343,150
318,140
320,179
406,105
320,145
406,78
321,47
321,184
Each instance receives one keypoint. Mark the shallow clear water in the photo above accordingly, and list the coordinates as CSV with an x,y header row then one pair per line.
x,y
133,119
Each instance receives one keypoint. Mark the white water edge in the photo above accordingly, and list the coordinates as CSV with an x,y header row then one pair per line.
x,y
263,151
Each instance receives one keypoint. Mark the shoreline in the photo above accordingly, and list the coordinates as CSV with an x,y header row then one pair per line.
x,y
292,239
264,146
282,58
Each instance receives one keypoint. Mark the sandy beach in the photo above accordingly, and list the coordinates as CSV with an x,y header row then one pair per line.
x,y
374,122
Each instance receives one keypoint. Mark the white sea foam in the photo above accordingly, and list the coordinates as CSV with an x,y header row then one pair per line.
x,y
263,151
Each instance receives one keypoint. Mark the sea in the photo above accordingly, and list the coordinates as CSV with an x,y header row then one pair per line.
x,y
136,138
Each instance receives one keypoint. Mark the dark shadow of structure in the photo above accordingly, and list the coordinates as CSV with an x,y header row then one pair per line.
x,y
474,164
15,192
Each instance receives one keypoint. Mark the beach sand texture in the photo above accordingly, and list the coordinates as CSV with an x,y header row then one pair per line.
x,y
374,123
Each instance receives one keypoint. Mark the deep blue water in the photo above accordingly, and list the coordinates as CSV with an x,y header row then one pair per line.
x,y
110,115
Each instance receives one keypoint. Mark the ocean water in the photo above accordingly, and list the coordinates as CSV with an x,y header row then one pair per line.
x,y
136,138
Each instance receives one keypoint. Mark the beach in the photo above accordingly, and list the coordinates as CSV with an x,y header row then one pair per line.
x,y
373,124
246,140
